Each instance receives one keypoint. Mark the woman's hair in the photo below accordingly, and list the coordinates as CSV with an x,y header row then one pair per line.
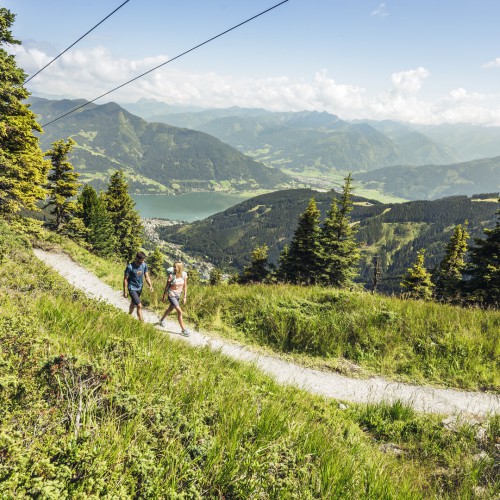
x,y
178,268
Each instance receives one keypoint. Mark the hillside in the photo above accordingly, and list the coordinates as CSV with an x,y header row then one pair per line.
x,y
435,181
156,157
95,404
311,140
393,231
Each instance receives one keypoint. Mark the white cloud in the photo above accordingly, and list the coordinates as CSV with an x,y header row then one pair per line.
x,y
90,73
492,64
380,11
409,82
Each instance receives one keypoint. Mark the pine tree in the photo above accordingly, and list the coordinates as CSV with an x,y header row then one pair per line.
x,y
86,203
101,233
156,263
281,273
449,278
194,276
377,273
340,252
303,261
417,281
126,221
215,277
483,270
258,270
63,185
23,170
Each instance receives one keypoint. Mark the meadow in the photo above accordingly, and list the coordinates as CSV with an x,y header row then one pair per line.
x,y
355,332
94,404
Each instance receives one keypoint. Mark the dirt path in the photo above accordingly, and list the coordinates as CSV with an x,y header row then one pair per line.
x,y
427,399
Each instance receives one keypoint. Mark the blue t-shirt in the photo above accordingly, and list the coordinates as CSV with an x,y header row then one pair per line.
x,y
135,273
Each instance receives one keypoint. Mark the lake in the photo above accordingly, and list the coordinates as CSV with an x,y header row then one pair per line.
x,y
185,207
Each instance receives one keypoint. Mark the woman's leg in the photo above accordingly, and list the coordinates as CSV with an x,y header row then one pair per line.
x,y
179,317
167,312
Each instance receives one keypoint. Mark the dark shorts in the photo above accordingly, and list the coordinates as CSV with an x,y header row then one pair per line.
x,y
174,300
135,296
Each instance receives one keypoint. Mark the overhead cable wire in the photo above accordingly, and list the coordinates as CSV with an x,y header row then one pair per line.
x,y
74,43
167,62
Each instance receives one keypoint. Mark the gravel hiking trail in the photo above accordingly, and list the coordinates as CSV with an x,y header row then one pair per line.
x,y
332,385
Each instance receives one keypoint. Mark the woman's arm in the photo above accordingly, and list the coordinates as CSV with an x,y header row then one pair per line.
x,y
185,290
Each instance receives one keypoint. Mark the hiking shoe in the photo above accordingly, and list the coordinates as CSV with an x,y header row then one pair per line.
x,y
162,323
185,332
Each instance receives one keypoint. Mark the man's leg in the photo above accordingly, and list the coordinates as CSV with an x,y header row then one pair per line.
x,y
135,298
139,312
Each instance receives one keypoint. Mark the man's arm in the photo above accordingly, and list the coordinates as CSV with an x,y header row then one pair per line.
x,y
148,281
125,286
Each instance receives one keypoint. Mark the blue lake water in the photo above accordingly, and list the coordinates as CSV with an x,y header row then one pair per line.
x,y
184,207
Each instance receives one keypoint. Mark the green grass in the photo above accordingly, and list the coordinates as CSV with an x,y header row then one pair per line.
x,y
95,404
411,341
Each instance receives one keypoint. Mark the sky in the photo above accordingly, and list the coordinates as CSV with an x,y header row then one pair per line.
x,y
425,61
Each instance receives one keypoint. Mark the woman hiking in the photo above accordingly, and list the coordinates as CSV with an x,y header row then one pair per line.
x,y
176,285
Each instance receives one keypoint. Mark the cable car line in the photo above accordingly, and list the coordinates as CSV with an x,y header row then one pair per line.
x,y
167,62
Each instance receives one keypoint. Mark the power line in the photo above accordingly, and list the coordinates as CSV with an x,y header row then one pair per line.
x,y
74,43
167,62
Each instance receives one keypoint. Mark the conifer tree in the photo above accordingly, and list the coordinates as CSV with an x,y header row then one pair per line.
x,y
449,278
86,203
339,246
258,270
483,270
63,185
303,260
377,273
194,276
23,169
126,221
101,233
156,261
215,277
281,272
417,282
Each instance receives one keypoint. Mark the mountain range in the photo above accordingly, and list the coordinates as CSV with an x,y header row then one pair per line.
x,y
156,157
310,140
240,149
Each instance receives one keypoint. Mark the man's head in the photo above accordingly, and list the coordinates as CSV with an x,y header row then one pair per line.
x,y
140,257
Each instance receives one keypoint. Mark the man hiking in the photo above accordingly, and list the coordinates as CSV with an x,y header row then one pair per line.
x,y
133,280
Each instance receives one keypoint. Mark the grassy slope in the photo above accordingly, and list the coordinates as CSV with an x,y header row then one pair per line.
x,y
412,341
95,404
